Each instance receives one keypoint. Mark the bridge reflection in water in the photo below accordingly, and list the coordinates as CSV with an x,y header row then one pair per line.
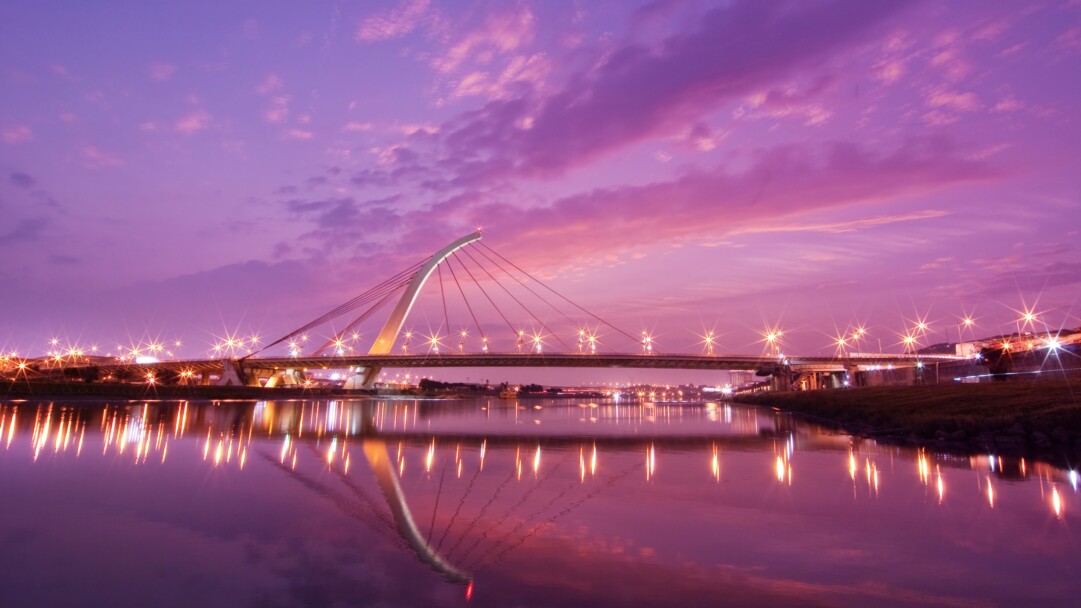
x,y
446,470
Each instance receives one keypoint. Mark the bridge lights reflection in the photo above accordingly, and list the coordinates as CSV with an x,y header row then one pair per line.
x,y
715,464
940,485
1056,501
923,467
651,461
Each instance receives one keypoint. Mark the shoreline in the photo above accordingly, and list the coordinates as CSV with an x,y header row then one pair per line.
x,y
1041,417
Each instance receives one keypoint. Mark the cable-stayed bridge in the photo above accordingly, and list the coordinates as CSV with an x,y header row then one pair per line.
x,y
473,282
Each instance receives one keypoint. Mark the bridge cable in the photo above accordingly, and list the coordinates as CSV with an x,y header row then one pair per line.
x,y
353,304
385,294
461,503
513,297
513,331
479,561
525,496
480,329
611,482
527,288
393,282
546,286
483,510
363,317
438,493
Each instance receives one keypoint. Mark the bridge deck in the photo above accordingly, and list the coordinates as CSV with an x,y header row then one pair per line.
x,y
565,360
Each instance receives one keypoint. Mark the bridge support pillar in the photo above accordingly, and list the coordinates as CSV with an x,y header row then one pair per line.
x,y
232,373
781,381
370,374
852,373
286,377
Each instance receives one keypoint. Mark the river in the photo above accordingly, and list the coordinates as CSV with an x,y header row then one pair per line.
x,y
405,502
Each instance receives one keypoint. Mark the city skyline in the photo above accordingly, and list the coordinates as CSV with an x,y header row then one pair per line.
x,y
683,167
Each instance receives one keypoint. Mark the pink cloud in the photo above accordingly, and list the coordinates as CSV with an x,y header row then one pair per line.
x,y
94,158
521,69
393,23
194,122
1070,40
1008,104
789,102
278,110
298,134
358,126
500,33
639,93
162,71
965,102
19,134
891,71
60,71
271,83
784,182
951,62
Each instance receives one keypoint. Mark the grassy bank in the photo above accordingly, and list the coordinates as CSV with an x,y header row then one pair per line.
x,y
1042,414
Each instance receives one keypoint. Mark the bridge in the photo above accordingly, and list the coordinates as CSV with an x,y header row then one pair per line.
x,y
471,264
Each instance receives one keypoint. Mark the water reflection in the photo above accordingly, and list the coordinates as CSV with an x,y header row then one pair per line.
x,y
466,486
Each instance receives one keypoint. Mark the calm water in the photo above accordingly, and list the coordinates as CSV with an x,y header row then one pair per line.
x,y
493,503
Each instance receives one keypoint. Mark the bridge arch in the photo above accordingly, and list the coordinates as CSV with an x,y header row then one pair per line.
x,y
389,334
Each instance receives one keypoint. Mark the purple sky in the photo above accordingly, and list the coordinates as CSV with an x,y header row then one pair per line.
x,y
190,169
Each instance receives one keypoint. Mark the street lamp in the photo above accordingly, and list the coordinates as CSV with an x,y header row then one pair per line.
x,y
910,343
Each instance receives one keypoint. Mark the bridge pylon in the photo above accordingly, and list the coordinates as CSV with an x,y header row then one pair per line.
x,y
384,342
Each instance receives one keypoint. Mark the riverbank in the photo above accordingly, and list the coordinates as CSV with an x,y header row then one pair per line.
x,y
1041,415
80,390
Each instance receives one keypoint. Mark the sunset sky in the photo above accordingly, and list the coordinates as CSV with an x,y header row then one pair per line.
x,y
186,170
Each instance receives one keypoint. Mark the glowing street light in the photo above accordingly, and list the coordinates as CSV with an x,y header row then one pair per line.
x,y
910,343
841,342
773,339
647,343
